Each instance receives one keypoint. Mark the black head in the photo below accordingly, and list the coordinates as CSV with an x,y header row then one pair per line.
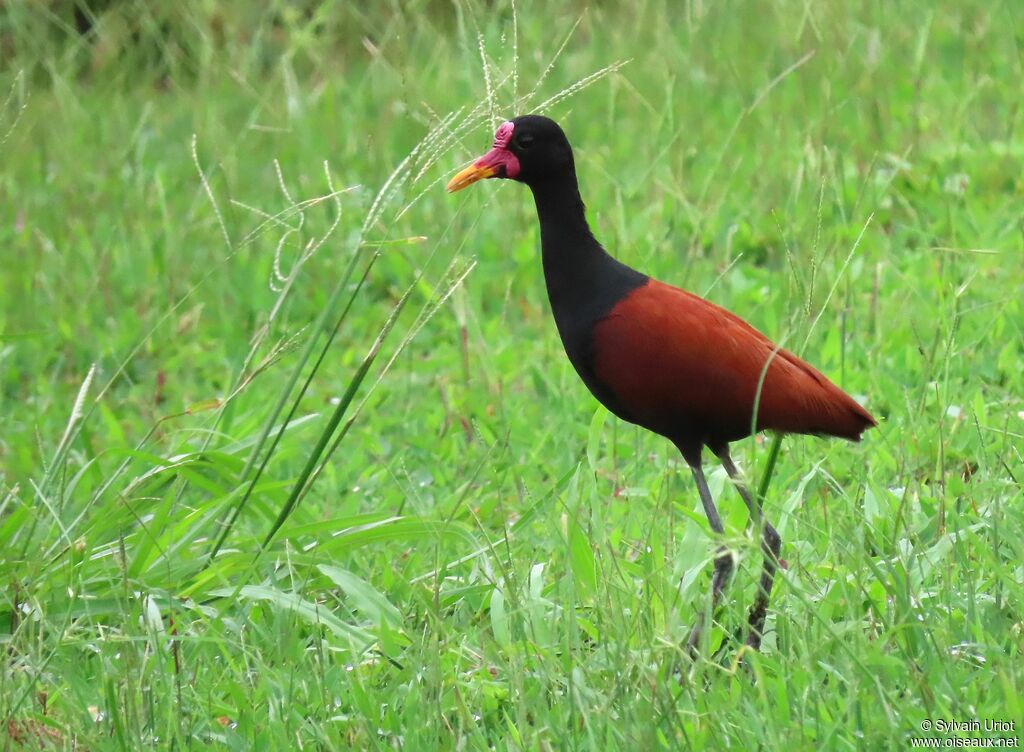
x,y
541,146
529,148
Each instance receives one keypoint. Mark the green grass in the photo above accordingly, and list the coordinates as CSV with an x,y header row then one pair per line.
x,y
451,545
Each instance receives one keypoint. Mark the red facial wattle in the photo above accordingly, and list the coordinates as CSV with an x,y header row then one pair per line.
x,y
500,157
499,162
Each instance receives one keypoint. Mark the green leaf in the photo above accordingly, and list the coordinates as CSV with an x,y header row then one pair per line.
x,y
367,600
594,437
581,558
314,613
499,618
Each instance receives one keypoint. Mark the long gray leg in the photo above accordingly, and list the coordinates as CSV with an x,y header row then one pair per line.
x,y
771,545
723,559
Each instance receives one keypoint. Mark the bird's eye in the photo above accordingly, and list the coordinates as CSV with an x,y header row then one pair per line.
x,y
525,141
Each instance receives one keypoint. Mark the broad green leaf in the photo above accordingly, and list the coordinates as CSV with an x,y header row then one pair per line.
x,y
314,613
581,556
499,618
367,599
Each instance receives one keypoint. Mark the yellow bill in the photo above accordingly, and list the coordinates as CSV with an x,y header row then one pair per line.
x,y
469,176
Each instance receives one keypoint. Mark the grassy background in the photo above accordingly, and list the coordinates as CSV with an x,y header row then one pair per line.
x,y
485,559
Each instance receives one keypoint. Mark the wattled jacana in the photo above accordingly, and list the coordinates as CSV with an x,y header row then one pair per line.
x,y
658,356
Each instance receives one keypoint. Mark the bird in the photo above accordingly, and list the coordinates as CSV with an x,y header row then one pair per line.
x,y
660,357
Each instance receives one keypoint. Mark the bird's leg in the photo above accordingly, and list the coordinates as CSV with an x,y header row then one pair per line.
x,y
771,544
723,558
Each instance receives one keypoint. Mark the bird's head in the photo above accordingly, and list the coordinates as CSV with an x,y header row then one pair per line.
x,y
529,148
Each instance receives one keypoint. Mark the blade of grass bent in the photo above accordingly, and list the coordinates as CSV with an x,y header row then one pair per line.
x,y
414,330
237,510
336,417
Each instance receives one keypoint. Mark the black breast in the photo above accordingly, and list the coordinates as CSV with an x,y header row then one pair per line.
x,y
580,298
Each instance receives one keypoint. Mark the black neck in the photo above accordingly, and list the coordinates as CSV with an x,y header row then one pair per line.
x,y
570,252
584,283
